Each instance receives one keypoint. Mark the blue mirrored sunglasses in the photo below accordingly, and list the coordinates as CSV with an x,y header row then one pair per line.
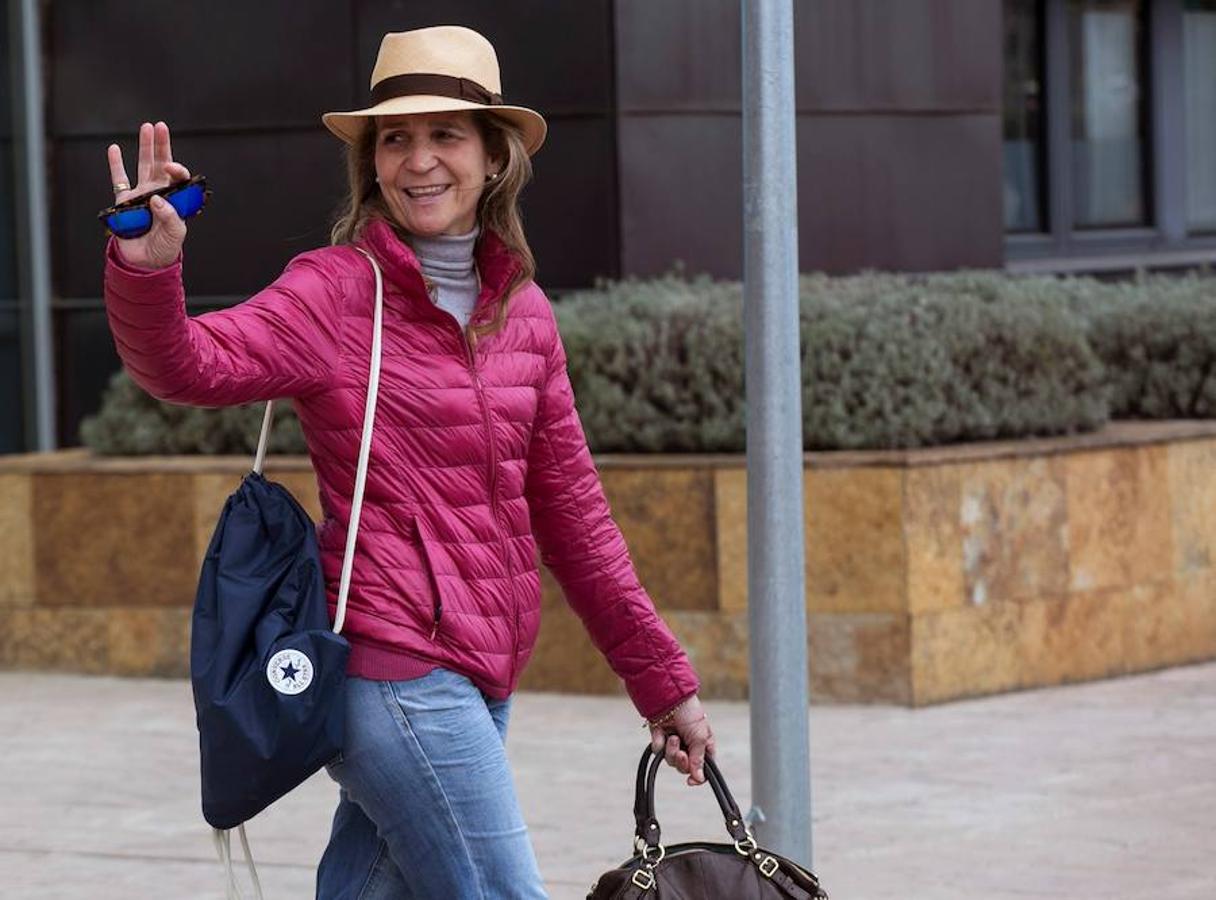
x,y
133,218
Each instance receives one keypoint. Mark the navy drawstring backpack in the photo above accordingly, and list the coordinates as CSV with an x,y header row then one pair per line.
x,y
267,669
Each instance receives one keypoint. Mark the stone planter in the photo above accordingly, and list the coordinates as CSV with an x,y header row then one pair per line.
x,y
931,574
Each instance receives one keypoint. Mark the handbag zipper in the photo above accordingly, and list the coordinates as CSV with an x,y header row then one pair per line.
x,y
677,850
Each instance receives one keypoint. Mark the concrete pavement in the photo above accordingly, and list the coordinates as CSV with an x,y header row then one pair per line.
x,y
1103,790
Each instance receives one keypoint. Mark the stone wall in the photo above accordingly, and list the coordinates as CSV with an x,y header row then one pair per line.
x,y
930,574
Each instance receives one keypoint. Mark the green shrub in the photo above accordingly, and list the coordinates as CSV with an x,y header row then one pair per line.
x,y
899,361
887,361
657,366
1158,340
132,423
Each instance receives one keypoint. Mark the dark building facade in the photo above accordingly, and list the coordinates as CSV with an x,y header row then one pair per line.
x,y
932,134
12,381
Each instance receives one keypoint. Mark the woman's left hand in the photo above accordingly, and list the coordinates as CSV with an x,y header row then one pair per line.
x,y
689,727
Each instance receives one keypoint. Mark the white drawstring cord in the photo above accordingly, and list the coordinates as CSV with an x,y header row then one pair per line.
x,y
223,847
217,840
365,449
253,872
221,837
264,438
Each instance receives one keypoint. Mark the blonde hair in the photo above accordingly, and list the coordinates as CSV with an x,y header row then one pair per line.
x,y
497,208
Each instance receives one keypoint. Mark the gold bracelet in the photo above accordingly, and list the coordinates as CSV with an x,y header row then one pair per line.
x,y
668,717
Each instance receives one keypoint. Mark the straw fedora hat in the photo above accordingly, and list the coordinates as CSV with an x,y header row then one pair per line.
x,y
436,69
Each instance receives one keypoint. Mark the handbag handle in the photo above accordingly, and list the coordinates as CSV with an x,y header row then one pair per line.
x,y
648,831
365,446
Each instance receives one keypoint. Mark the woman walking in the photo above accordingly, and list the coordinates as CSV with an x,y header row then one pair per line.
x,y
477,459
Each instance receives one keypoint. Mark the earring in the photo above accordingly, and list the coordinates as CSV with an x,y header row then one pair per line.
x,y
491,176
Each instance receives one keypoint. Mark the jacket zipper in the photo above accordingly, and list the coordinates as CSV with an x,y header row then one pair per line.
x,y
485,415
492,479
493,483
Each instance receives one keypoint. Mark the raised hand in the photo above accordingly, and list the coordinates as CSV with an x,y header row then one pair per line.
x,y
161,246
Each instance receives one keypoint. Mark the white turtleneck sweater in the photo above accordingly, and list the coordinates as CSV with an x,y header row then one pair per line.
x,y
447,262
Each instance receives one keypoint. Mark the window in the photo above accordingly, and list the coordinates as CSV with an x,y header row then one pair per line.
x,y
1109,134
1199,55
1023,117
1108,124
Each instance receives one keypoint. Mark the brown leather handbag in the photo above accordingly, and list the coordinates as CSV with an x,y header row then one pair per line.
x,y
740,870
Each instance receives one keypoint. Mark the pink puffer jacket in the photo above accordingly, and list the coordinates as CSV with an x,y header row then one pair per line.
x,y
477,456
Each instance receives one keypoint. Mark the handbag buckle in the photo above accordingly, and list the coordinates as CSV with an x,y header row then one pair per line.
x,y
768,866
660,851
643,879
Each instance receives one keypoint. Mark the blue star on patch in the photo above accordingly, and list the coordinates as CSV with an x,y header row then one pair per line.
x,y
289,671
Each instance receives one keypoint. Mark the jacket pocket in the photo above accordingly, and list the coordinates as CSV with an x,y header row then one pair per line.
x,y
423,536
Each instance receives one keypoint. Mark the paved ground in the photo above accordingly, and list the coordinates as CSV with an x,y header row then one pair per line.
x,y
1098,791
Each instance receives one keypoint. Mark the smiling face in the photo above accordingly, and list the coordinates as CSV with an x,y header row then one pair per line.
x,y
432,168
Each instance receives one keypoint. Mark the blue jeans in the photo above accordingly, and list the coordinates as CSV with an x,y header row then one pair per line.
x,y
427,807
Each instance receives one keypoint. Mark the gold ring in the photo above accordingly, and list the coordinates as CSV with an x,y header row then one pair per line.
x,y
121,186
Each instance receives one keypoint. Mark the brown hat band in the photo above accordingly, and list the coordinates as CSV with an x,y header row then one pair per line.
x,y
435,85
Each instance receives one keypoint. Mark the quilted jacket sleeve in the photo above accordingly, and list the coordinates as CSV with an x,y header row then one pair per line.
x,y
583,548
282,342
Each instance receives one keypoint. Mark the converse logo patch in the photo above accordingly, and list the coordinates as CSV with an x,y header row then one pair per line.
x,y
289,672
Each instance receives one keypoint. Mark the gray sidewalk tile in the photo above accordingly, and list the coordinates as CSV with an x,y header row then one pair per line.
x,y
1100,790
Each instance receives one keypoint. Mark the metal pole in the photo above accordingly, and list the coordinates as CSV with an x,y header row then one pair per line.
x,y
33,230
780,742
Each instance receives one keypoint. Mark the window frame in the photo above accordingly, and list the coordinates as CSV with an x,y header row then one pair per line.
x,y
1164,243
